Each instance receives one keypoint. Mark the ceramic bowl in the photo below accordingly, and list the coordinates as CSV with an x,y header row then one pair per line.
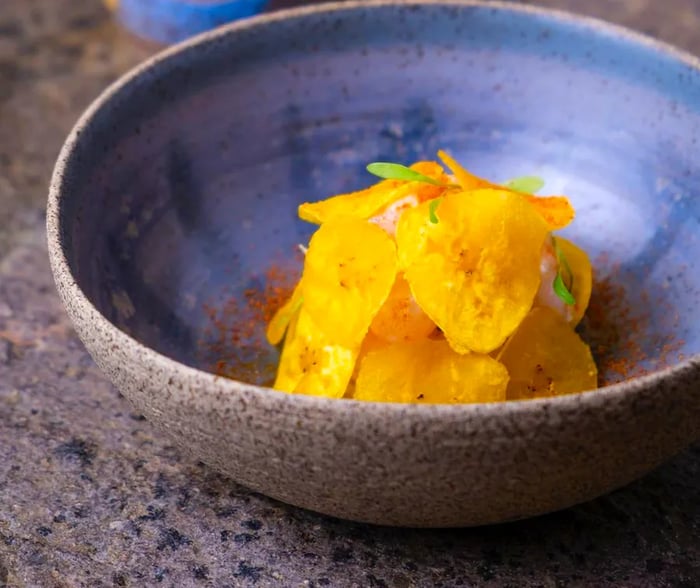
x,y
177,191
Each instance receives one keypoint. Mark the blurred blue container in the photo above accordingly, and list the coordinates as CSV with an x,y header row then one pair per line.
x,y
170,21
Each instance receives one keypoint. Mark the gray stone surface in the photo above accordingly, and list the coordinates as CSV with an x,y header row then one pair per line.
x,y
90,495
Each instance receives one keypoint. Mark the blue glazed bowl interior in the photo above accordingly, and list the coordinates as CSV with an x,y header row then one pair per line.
x,y
183,186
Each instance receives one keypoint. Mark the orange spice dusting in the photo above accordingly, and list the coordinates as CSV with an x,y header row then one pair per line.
x,y
233,343
614,332
620,331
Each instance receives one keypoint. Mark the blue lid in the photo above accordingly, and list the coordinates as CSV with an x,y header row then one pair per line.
x,y
170,21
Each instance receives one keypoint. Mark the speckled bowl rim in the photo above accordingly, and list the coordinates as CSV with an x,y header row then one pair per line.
x,y
69,289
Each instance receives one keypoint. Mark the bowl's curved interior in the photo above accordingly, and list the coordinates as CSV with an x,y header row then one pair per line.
x,y
181,191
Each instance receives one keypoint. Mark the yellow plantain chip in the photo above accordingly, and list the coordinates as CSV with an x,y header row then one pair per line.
x,y
412,233
349,270
476,271
364,204
400,319
278,324
311,363
429,371
581,274
546,357
466,179
556,210
370,343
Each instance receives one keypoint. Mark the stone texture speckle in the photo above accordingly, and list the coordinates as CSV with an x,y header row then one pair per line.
x,y
91,496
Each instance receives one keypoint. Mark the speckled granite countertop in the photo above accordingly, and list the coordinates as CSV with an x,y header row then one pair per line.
x,y
91,496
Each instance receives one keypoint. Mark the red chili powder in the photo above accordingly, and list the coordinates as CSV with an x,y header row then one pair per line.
x,y
618,328
233,343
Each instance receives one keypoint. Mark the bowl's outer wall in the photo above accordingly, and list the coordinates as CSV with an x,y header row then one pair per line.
x,y
184,184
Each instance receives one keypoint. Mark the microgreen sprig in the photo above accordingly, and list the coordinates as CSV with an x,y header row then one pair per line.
x,y
432,209
559,285
525,184
396,171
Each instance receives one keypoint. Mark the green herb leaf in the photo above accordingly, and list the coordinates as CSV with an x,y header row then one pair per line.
x,y
432,208
526,184
562,291
560,286
396,171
